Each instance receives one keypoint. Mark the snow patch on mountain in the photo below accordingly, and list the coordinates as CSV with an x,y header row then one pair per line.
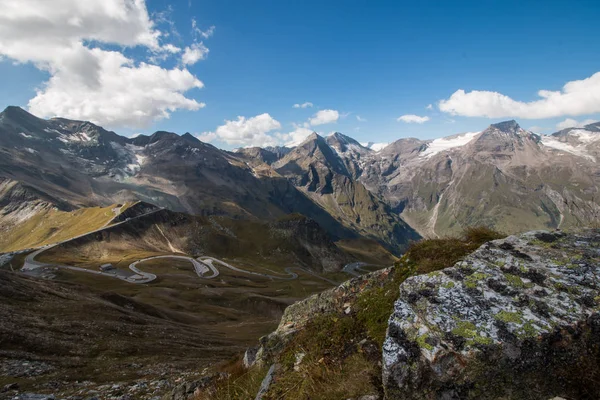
x,y
438,145
26,136
375,146
585,136
350,147
580,150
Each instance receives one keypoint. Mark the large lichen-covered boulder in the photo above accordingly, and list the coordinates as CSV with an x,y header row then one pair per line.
x,y
517,319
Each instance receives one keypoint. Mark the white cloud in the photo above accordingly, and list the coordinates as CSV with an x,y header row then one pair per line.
x,y
297,136
88,81
194,53
245,131
536,129
429,107
169,48
199,32
571,123
412,119
576,98
324,117
206,137
360,119
303,105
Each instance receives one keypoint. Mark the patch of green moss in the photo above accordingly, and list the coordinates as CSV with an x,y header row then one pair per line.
x,y
484,340
465,329
448,285
472,280
528,330
508,316
514,280
422,342
540,243
522,269
560,262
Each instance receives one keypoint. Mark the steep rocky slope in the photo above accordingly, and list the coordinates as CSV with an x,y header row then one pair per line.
x,y
318,168
507,321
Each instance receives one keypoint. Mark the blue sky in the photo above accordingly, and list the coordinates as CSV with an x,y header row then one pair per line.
x,y
376,60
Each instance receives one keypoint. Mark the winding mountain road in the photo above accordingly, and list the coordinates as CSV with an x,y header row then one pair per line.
x,y
203,266
355,268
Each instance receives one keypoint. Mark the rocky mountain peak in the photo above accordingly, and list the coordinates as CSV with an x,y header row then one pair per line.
x,y
143,140
312,137
19,119
506,126
343,143
594,127
15,110
504,138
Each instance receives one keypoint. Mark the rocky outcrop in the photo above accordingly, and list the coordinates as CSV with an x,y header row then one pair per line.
x,y
338,300
517,319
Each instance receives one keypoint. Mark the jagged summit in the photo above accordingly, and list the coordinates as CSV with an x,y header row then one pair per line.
x,y
594,127
506,126
343,143
312,137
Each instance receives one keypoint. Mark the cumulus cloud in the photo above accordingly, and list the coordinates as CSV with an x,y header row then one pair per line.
x,y
323,117
576,98
295,137
72,41
429,107
303,105
244,131
412,119
360,119
571,123
194,53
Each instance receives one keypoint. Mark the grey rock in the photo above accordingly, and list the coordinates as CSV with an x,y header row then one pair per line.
x,y
266,383
185,390
34,396
10,386
513,315
250,357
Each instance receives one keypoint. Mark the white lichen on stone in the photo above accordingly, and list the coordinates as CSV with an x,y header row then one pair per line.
x,y
507,292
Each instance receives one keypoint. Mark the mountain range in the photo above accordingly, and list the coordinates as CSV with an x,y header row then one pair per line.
x,y
503,177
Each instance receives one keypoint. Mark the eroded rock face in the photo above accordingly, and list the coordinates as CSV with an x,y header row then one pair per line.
x,y
517,319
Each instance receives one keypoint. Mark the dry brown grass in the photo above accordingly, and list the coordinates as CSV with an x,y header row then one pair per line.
x,y
434,254
240,384
52,226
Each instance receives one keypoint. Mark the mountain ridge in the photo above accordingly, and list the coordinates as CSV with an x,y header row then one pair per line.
x,y
85,166
503,176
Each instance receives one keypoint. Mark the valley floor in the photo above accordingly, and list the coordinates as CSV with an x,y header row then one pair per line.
x,y
74,333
